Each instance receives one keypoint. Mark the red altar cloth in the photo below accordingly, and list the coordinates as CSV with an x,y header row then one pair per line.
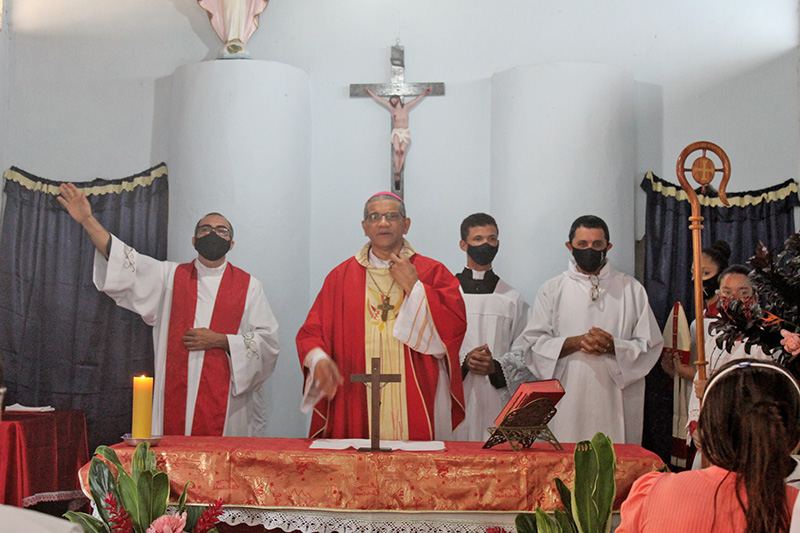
x,y
285,473
40,455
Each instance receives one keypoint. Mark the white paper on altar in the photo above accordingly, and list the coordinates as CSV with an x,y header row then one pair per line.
x,y
409,446
18,407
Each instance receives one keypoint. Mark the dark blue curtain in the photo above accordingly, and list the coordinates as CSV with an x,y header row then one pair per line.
x,y
62,342
763,215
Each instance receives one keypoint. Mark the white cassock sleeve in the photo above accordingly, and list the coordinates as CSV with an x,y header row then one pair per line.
x,y
254,349
414,325
512,363
134,281
414,328
539,341
522,316
638,350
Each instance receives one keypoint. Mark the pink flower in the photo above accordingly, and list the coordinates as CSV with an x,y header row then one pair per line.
x,y
169,523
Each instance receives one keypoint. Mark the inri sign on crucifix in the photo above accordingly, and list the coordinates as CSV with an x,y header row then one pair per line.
x,y
396,91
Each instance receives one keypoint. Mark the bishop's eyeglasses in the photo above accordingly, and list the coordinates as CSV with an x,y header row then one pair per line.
x,y
391,216
222,231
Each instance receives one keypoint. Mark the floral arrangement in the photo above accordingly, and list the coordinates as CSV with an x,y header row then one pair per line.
x,y
776,281
137,502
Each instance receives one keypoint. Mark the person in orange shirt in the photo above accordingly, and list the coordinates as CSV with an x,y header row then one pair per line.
x,y
749,426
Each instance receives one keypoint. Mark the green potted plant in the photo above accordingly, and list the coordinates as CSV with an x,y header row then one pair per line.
x,y
588,506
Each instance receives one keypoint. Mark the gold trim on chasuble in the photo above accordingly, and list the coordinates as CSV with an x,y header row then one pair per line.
x,y
379,342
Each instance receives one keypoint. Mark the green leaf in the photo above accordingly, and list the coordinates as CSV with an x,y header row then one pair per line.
x,y
566,498
110,454
145,493
565,521
526,523
129,498
193,513
101,481
605,488
546,523
584,507
139,461
160,494
182,500
89,523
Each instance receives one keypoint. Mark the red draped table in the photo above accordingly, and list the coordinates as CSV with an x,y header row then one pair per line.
x,y
40,455
258,478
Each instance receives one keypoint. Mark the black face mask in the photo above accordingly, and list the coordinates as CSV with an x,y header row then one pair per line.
x,y
710,287
589,259
212,246
483,254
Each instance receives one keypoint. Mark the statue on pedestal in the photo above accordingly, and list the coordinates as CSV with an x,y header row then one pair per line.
x,y
234,21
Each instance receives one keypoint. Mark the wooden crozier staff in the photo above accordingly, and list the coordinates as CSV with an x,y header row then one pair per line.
x,y
703,172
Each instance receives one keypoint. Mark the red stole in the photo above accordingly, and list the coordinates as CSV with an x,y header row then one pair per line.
x,y
335,323
215,378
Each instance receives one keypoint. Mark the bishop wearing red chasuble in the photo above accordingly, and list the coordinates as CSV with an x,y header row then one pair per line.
x,y
215,337
392,303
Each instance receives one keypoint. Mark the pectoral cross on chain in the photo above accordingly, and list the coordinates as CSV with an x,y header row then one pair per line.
x,y
375,378
384,308
398,87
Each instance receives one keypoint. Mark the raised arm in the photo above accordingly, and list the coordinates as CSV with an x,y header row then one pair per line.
x,y
74,200
378,99
418,98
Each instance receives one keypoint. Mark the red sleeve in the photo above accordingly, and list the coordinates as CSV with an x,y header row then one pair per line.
x,y
312,333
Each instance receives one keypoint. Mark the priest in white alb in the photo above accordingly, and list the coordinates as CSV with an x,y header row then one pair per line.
x,y
592,328
496,316
215,337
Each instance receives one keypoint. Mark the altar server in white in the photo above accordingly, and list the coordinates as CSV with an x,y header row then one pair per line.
x,y
496,316
592,328
215,337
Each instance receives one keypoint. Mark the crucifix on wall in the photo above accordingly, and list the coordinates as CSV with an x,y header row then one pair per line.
x,y
396,91
374,380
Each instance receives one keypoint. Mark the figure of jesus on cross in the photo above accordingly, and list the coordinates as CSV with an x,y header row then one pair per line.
x,y
390,95
401,136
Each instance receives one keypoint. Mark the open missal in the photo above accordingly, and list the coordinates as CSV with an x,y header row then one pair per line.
x,y
530,391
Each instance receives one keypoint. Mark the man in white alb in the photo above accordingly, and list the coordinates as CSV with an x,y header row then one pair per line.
x,y
592,328
496,316
215,337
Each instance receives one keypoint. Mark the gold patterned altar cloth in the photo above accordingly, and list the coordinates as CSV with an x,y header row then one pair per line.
x,y
285,473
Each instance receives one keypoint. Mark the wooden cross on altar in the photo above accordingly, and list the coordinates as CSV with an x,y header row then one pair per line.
x,y
375,378
399,88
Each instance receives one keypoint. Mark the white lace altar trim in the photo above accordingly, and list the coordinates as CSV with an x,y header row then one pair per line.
x,y
368,522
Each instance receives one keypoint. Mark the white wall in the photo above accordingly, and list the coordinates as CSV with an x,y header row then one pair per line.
x,y
752,114
86,81
563,146
4,134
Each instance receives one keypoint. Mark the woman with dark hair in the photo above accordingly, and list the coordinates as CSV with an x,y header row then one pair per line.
x,y
713,261
749,427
